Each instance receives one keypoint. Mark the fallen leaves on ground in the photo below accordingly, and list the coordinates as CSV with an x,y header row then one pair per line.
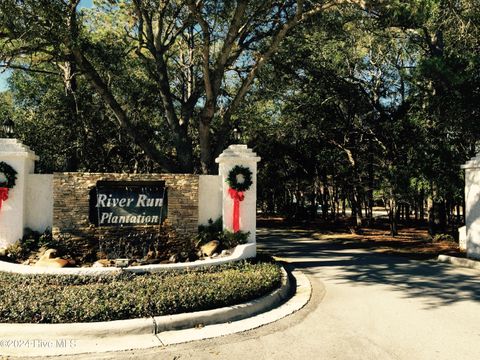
x,y
412,241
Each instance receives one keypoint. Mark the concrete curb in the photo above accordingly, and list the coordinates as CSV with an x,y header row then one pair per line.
x,y
77,338
462,262
225,314
241,252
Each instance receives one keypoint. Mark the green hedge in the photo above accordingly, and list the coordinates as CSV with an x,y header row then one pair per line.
x,y
67,298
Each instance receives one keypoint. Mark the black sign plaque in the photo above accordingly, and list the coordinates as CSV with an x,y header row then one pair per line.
x,y
128,203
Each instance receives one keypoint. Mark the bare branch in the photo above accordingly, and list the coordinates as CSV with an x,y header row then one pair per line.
x,y
195,9
232,34
28,69
260,62
120,114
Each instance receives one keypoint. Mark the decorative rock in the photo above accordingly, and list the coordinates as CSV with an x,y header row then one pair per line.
x,y
173,258
101,263
225,253
121,262
47,260
101,255
42,251
48,254
209,248
54,263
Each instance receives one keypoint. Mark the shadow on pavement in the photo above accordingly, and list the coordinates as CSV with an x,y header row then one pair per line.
x,y
439,284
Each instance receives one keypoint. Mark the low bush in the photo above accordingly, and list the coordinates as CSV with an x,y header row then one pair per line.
x,y
67,298
230,240
214,231
443,237
31,242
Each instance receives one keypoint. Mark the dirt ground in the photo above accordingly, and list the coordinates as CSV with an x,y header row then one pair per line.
x,y
412,241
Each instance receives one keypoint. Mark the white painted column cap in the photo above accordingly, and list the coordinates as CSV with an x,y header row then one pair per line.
x,y
237,151
13,147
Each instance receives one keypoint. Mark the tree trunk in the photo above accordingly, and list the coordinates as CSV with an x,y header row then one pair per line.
x,y
415,209
431,217
70,85
335,204
328,203
123,120
205,149
440,217
369,200
393,217
356,216
421,204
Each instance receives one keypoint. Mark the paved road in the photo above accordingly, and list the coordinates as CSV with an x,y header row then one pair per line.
x,y
364,306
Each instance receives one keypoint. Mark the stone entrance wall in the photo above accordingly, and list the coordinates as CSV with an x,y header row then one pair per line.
x,y
61,202
71,204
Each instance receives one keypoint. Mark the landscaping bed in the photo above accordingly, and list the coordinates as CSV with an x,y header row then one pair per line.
x,y
72,298
133,247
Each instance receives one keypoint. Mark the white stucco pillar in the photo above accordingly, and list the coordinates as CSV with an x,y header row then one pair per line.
x,y
13,212
239,155
472,206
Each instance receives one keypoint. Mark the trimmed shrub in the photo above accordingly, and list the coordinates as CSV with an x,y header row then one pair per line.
x,y
67,298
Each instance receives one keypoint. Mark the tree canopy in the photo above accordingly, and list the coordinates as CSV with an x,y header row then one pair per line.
x,y
200,58
349,103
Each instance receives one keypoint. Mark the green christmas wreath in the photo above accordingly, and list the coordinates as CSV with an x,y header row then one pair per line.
x,y
233,178
9,173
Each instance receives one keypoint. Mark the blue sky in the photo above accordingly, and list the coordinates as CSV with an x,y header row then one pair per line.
x,y
4,76
3,81
86,3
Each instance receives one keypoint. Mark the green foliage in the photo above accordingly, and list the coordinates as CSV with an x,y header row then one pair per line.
x,y
43,111
210,232
134,245
380,99
173,102
229,240
214,231
9,173
15,251
31,242
159,244
62,299
360,105
443,237
233,181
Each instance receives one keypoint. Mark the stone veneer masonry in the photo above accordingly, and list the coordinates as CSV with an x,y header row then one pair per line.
x,y
71,203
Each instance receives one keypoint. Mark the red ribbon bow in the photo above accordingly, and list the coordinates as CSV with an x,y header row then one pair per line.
x,y
237,196
3,195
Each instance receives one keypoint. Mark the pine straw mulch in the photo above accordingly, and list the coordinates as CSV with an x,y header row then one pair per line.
x,y
412,241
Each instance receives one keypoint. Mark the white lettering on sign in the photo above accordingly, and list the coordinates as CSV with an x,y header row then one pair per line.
x,y
108,201
145,201
109,218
